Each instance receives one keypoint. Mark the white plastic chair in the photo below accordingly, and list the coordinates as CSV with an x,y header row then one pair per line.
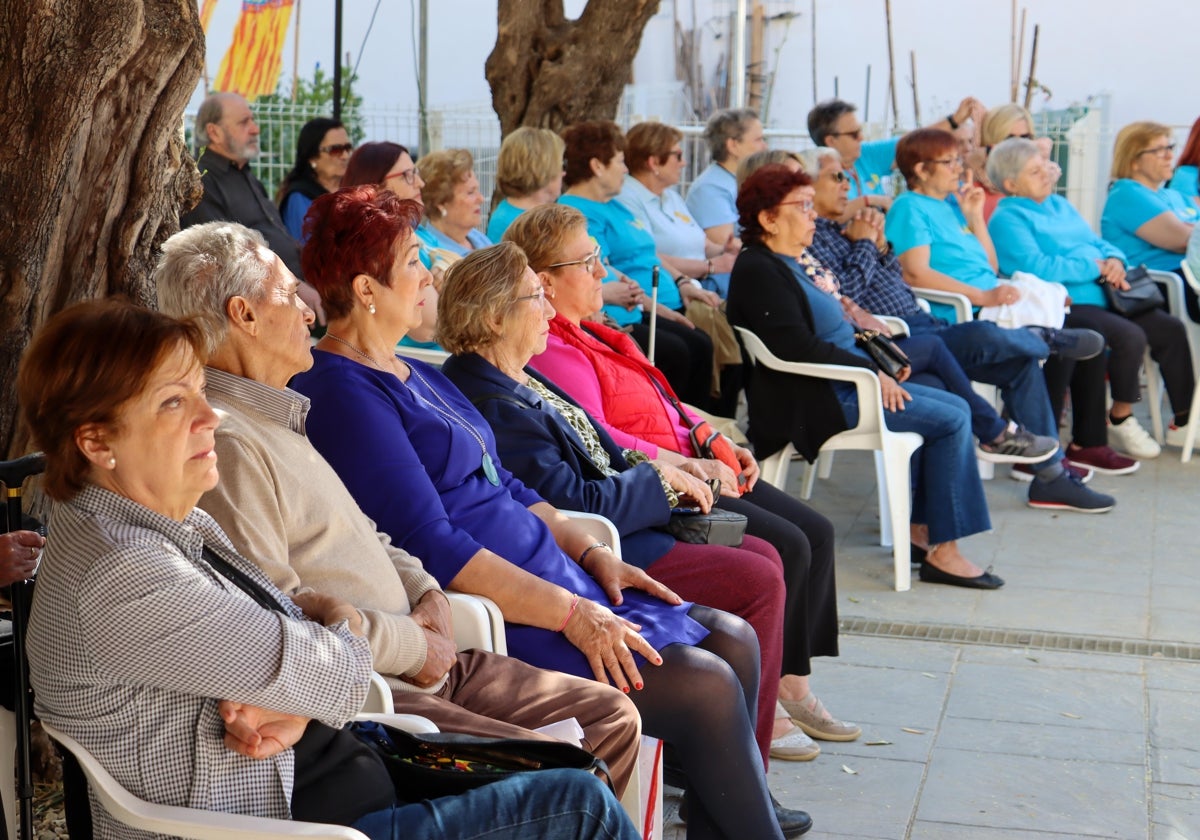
x,y
137,813
1190,440
1171,283
430,357
893,450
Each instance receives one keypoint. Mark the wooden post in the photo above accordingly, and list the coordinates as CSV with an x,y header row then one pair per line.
x,y
1031,82
757,75
912,60
887,5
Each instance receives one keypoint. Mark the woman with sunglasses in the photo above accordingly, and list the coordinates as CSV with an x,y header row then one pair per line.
x,y
322,151
1003,123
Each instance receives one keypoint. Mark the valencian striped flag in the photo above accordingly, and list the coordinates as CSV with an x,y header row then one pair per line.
x,y
207,7
251,65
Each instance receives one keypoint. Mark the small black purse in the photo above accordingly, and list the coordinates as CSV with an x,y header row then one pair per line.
x,y
447,763
717,527
1142,295
884,352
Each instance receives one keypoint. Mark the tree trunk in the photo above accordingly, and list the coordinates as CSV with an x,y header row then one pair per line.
x,y
93,169
548,72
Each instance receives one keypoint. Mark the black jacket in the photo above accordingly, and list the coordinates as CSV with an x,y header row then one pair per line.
x,y
765,297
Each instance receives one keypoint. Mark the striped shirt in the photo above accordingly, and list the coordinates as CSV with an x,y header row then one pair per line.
x,y
134,638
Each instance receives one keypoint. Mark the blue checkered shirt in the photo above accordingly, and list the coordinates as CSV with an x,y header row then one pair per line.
x,y
868,277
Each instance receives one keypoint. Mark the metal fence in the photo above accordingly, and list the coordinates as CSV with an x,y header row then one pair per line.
x,y
1082,136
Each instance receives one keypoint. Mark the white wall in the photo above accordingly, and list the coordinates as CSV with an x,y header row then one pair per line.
x,y
1142,53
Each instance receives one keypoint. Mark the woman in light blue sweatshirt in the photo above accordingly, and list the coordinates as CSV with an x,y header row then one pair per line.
x,y
1036,231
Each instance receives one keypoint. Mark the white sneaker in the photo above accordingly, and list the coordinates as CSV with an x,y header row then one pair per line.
x,y
1176,435
1130,438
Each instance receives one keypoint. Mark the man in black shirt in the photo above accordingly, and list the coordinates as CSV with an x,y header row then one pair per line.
x,y
228,136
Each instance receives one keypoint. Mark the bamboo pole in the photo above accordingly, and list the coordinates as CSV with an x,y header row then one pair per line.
x,y
912,60
887,5
1031,82
1013,59
866,95
1020,58
813,6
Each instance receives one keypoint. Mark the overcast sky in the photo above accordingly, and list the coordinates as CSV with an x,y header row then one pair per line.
x,y
1142,52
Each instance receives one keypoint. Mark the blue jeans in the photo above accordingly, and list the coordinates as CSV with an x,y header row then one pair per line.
x,y
933,365
947,493
1002,357
550,804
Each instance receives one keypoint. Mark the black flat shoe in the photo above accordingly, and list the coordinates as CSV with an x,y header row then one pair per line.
x,y
792,823
916,554
932,574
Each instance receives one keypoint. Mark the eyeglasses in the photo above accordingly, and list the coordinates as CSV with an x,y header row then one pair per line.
x,y
805,204
537,297
410,176
338,149
675,153
839,176
1158,150
589,262
857,134
953,163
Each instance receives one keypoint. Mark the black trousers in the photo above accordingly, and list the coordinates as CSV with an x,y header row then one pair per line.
x,y
684,355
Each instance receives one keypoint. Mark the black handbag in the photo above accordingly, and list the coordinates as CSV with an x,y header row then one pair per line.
x,y
448,763
1142,295
717,527
884,352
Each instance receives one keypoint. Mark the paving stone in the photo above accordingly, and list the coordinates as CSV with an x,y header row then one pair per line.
x,y
1021,657
1043,740
1174,719
926,830
1084,798
1176,766
1098,614
1176,811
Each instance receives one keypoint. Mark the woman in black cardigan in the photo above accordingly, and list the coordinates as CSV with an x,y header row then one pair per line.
x,y
771,296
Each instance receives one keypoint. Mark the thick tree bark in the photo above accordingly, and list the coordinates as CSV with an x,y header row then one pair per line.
x,y
547,71
93,169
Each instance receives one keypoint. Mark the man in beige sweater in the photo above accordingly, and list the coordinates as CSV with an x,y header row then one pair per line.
x,y
285,509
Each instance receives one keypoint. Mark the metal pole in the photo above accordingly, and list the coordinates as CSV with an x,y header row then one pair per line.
x,y
866,97
813,6
337,59
653,312
738,98
423,78
296,53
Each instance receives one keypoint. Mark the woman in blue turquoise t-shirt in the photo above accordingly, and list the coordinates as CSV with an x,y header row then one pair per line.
x,y
1186,179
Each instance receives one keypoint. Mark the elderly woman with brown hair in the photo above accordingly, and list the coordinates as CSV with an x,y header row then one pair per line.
x,y
453,202
422,463
553,446
173,660
772,296
654,156
595,175
529,172
627,397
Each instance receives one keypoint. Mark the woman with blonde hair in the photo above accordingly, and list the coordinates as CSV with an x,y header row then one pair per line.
x,y
529,172
1003,123
453,202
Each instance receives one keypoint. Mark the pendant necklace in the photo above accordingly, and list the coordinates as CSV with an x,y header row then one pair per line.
x,y
452,416
448,413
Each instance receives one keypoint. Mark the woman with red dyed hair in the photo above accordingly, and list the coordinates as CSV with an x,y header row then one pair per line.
x,y
1186,178
772,295
421,462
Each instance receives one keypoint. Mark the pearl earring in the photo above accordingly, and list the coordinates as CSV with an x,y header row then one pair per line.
x,y
112,462
442,210
371,308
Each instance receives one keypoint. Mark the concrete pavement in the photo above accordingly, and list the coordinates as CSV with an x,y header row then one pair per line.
x,y
1065,705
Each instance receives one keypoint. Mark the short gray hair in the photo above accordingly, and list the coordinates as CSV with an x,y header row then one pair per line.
x,y
211,110
811,159
202,267
724,126
1007,159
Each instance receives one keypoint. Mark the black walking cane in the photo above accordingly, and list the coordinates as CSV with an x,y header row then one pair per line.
x,y
12,476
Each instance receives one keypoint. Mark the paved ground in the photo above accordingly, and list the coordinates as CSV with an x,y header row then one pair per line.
x,y
1082,722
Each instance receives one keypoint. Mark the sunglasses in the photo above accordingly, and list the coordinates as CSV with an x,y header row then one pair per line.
x,y
839,176
857,134
338,149
1025,136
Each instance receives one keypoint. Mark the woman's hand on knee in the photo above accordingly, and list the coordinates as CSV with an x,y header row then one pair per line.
x,y
609,642
894,397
